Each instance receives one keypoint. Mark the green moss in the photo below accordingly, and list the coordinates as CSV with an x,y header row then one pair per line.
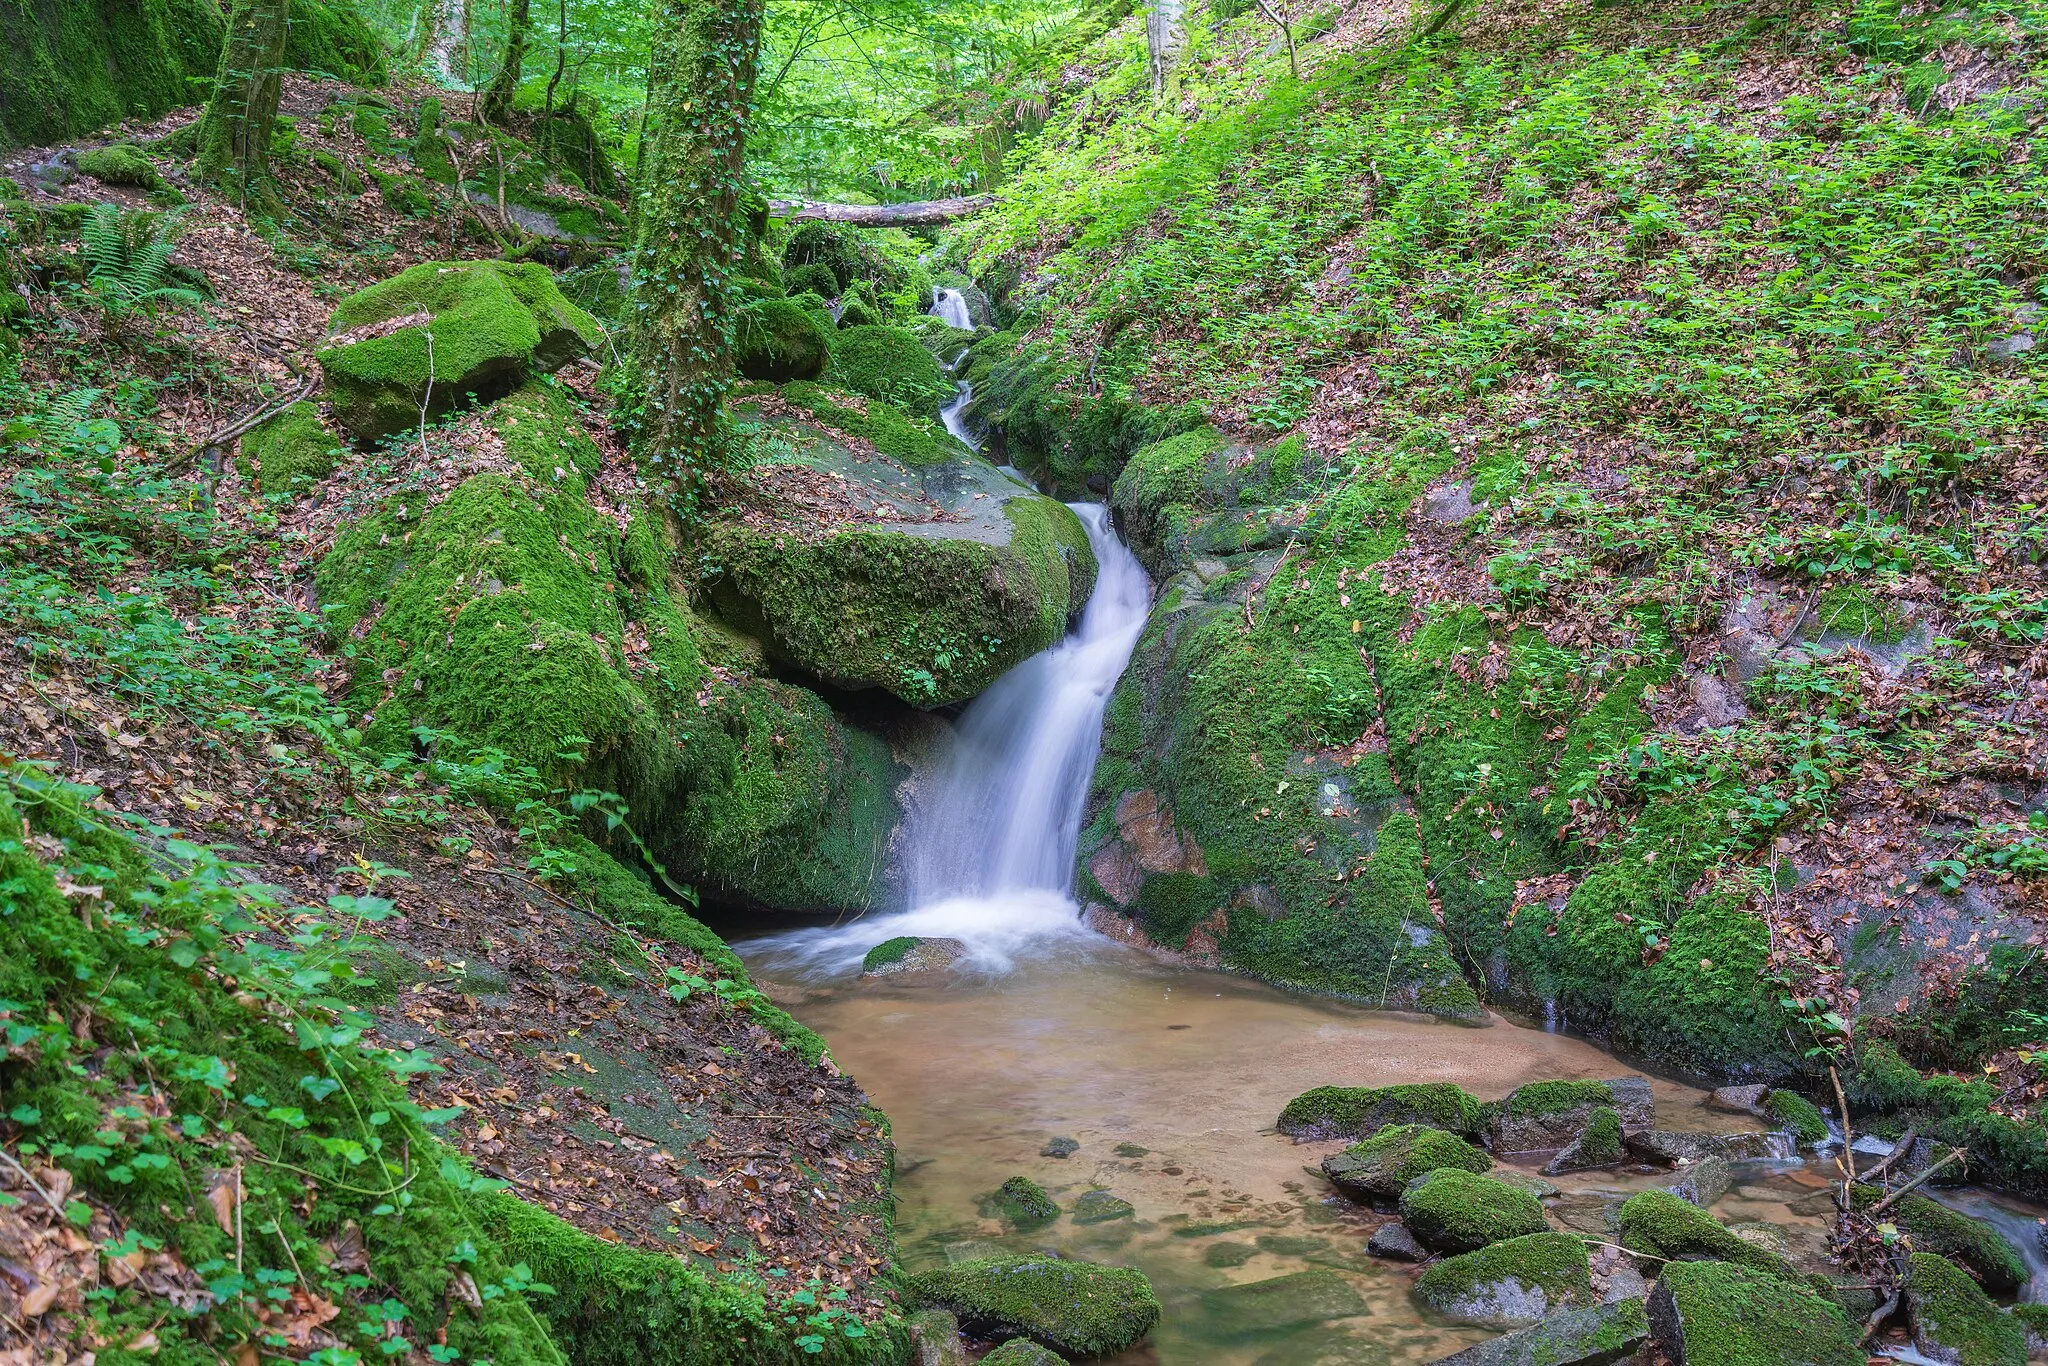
x,y
1074,1308
120,163
1735,1317
1022,1202
1952,1314
1381,1167
1551,1097
1660,1223
1361,1111
779,340
2033,1318
489,325
811,277
1554,1264
1021,1352
1158,489
1172,904
1851,610
1453,1210
333,39
77,67
889,951
1936,1228
857,313
914,441
891,364
290,450
1798,1116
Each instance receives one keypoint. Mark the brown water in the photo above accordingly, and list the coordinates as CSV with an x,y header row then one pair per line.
x,y
1171,1080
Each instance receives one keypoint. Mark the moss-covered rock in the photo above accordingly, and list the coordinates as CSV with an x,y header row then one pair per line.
x,y
779,340
1362,1111
120,163
857,313
927,579
436,334
290,450
1381,1167
1955,1321
1797,1116
1597,1145
1280,1304
1596,1335
1453,1210
1510,1284
810,277
1936,1228
77,67
909,953
1714,1314
1100,1207
1075,1308
1549,1114
1665,1226
890,364
1021,1352
1021,1202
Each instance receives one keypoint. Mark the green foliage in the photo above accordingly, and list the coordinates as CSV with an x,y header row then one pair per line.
x,y
128,260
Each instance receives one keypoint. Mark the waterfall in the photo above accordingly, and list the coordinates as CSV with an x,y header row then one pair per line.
x,y
989,857
949,306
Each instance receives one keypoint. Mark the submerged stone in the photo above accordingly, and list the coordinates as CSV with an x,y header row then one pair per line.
x,y
1075,1308
1510,1284
1022,1202
1284,1302
1381,1167
1060,1147
907,953
1362,1111
1714,1314
1547,1115
1099,1207
1597,1335
1458,1211
1676,1146
1954,1321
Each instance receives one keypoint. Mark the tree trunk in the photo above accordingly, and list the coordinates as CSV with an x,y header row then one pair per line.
x,y
920,213
504,85
234,132
1166,37
691,235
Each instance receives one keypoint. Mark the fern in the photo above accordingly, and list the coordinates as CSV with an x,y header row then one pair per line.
x,y
66,413
128,259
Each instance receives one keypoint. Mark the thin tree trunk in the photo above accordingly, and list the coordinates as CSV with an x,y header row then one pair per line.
x,y
691,234
505,85
234,132
1166,38
561,58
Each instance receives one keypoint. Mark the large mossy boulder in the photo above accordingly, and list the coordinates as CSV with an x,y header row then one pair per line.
x,y
1074,1308
1510,1284
1453,1210
779,340
1936,1228
858,549
1380,1168
890,364
504,614
1954,1321
1665,1226
1362,1111
435,335
1596,1335
1597,1145
1547,1115
1714,1314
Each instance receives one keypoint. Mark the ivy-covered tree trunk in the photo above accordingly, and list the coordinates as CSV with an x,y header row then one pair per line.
x,y
691,229
234,132
498,95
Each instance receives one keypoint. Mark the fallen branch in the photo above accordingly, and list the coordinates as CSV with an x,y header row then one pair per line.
x,y
919,213
1881,1206
1899,1150
1877,1317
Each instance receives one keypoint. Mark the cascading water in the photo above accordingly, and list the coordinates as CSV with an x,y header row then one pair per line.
x,y
949,306
990,857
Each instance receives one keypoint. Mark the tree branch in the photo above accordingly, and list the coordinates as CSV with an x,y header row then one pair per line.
x,y
920,213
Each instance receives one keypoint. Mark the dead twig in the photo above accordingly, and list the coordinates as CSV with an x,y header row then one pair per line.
x,y
1900,1149
1881,1206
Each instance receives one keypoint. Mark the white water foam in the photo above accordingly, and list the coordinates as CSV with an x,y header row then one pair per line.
x,y
990,858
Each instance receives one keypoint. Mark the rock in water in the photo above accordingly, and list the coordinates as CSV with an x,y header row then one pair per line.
x,y
1797,1116
1510,1284
1666,1226
1022,1202
1971,1242
1362,1111
1739,1100
1060,1147
935,1338
1021,1352
1676,1146
1600,1335
909,954
1458,1211
1704,1182
1380,1168
1396,1244
1714,1314
1597,1145
1099,1207
1283,1302
1075,1308
1955,1321
1546,1115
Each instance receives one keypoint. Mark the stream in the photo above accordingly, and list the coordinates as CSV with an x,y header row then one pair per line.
x,y
1169,1079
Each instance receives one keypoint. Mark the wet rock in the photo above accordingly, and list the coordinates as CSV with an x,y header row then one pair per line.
x,y
1380,1168
1674,1146
1224,1255
1950,1233
935,1339
1739,1100
1796,1115
1760,1233
1021,1352
1021,1202
1713,1314
1599,1335
1292,1301
1099,1207
1075,1308
1291,1245
907,954
1510,1284
974,1250
1362,1111
1954,1321
1458,1211
1329,1346
1525,1181
1703,1182
1395,1243
1597,1145
1661,1224
1545,1116
1060,1147
2034,1319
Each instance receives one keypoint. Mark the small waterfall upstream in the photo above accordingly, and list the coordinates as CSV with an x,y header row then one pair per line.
x,y
949,306
990,850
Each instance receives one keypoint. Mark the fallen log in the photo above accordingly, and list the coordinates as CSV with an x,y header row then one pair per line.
x,y
919,213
